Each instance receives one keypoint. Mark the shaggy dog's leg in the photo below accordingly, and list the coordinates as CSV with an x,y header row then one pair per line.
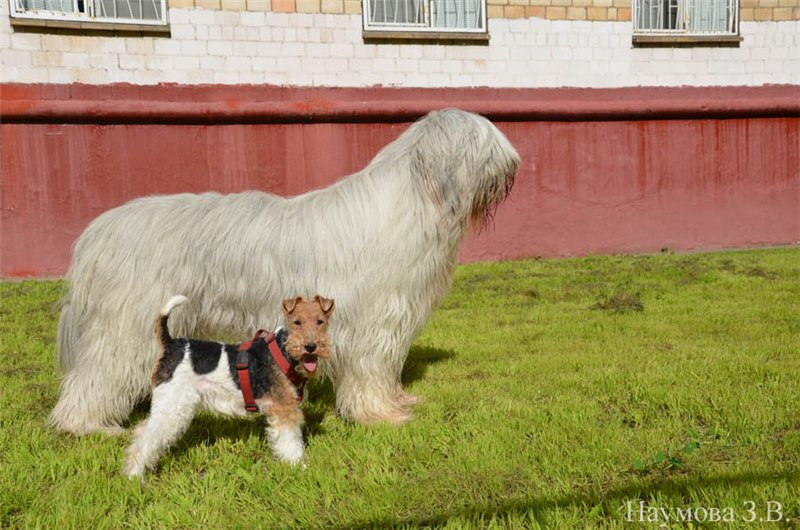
x,y
369,402
409,400
368,387
366,370
82,410
98,390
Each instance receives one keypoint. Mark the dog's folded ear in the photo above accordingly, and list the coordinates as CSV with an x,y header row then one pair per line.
x,y
326,304
290,303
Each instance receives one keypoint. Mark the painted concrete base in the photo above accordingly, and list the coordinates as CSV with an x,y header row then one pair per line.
x,y
626,170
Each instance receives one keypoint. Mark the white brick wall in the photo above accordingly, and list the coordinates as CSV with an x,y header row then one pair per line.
x,y
229,47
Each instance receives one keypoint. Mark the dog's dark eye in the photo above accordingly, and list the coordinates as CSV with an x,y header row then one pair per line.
x,y
297,323
320,322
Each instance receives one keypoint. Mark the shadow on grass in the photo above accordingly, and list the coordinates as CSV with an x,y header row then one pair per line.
x,y
614,501
418,361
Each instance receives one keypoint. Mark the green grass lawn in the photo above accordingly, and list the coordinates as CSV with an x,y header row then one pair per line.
x,y
558,394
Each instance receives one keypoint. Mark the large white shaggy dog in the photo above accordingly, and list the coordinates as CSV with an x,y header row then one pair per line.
x,y
382,242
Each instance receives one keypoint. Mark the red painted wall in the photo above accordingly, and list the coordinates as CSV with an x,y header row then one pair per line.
x,y
625,170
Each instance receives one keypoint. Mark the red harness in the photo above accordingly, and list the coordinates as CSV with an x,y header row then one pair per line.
x,y
243,362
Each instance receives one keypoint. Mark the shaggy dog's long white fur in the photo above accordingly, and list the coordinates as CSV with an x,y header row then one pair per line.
x,y
383,242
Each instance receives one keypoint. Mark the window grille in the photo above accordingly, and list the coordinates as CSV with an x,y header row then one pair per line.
x,y
117,12
686,17
425,15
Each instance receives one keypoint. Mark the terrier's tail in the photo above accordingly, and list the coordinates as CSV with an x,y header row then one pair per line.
x,y
162,329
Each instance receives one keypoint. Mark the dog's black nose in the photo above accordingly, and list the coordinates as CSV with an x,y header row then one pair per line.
x,y
311,347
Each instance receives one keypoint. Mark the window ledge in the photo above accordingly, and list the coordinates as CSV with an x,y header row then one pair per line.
x,y
417,37
645,41
88,25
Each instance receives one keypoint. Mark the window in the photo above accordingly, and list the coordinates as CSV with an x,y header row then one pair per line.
x,y
98,14
691,18
425,18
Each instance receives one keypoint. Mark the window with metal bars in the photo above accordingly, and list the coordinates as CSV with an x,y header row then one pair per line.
x,y
425,16
686,17
115,12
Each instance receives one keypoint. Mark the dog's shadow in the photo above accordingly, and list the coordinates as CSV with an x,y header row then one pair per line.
x,y
207,429
420,358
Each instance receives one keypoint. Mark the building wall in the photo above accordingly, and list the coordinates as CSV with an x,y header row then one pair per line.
x,y
306,49
603,170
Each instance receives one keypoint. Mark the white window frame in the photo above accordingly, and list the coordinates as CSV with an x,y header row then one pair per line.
x,y
684,10
425,28
86,19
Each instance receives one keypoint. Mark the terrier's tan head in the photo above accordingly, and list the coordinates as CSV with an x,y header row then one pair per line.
x,y
307,326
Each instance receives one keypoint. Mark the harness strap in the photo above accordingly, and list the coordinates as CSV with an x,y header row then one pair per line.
x,y
296,379
242,364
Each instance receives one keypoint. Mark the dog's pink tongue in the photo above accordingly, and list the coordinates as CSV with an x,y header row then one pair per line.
x,y
310,364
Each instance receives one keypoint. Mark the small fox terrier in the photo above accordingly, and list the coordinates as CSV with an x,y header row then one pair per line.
x,y
266,374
